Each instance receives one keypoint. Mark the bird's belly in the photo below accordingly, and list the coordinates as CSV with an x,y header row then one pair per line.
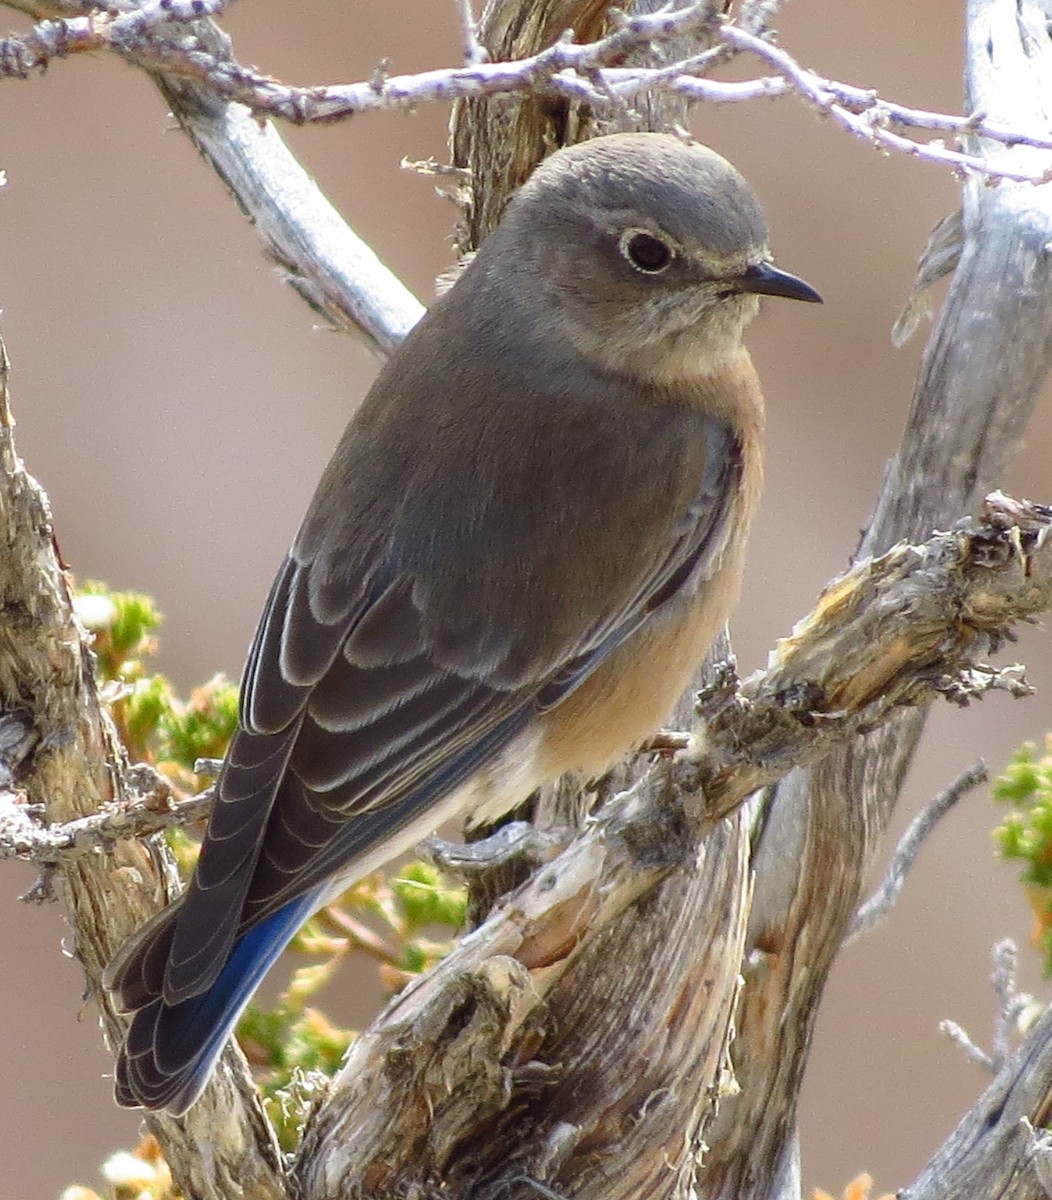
x,y
626,700
620,705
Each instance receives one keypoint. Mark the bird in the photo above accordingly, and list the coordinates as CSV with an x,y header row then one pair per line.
x,y
523,546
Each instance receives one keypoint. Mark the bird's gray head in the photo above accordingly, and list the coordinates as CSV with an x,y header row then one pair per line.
x,y
641,247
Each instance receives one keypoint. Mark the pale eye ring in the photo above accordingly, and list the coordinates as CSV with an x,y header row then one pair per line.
x,y
646,251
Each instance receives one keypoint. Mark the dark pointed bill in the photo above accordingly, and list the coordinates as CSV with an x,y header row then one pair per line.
x,y
766,280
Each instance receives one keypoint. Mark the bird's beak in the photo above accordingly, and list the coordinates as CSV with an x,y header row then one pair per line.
x,y
766,280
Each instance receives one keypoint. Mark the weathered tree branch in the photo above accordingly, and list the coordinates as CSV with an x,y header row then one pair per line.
x,y
996,1150
151,808
76,770
819,831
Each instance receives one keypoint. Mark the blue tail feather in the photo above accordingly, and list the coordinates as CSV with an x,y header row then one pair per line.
x,y
170,1050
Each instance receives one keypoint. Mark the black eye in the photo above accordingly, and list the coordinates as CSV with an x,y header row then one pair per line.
x,y
646,252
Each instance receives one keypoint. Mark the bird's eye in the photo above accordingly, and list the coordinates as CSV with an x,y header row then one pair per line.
x,y
646,252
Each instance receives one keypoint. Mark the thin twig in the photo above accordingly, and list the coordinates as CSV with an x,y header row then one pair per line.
x,y
123,32
867,116
474,51
23,837
878,907
1010,1004
580,71
964,1043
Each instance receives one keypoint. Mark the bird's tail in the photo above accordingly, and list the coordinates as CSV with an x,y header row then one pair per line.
x,y
170,1049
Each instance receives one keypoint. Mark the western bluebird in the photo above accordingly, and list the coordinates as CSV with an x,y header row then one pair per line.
x,y
521,550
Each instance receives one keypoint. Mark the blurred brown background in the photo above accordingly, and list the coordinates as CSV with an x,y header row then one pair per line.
x,y
179,403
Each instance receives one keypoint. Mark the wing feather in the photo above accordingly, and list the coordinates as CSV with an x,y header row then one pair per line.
x,y
393,658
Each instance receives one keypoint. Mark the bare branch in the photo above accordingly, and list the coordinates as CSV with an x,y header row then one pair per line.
x,y
962,1040
96,30
895,632
564,68
334,270
878,907
140,815
891,633
956,592
474,51
577,71
864,114
1011,1004
819,830
424,1090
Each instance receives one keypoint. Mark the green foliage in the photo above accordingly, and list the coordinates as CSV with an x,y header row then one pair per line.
x,y
424,897
155,725
1025,834
123,625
